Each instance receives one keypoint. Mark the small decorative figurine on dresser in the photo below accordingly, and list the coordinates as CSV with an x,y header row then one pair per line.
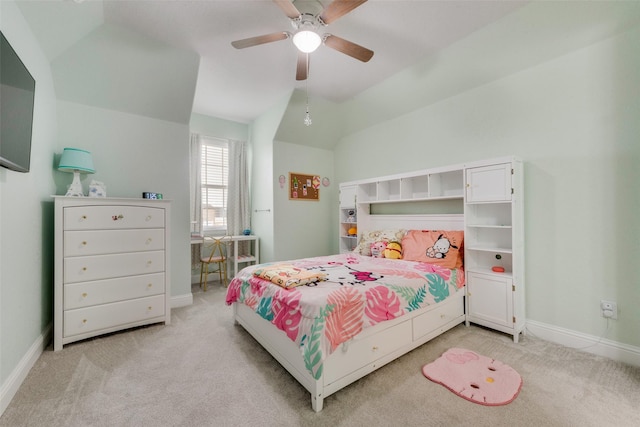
x,y
97,189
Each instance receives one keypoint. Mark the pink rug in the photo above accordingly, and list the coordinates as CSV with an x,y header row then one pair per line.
x,y
476,378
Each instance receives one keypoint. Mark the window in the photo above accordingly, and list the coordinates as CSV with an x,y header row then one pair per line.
x,y
215,171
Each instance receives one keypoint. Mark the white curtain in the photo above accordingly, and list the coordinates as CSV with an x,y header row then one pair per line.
x,y
195,178
238,197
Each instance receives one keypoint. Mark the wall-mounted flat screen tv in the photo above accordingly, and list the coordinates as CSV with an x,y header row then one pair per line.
x,y
17,90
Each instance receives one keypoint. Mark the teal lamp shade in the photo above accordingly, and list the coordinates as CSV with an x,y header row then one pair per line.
x,y
77,161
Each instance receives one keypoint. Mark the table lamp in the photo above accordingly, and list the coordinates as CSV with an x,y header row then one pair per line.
x,y
77,161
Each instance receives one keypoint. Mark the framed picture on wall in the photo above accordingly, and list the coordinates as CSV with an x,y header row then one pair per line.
x,y
304,187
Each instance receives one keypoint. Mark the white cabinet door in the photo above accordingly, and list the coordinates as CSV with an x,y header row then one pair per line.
x,y
489,183
348,196
490,299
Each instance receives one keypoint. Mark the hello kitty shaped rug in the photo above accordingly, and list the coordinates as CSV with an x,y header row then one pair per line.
x,y
476,378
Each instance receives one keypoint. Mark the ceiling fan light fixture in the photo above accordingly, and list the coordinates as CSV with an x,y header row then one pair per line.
x,y
307,41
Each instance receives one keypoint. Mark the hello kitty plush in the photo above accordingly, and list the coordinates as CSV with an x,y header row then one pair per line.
x,y
377,249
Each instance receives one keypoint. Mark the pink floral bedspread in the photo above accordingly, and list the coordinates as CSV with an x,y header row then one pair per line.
x,y
359,292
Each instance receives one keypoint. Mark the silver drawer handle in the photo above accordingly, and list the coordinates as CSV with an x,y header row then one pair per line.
x,y
150,285
84,321
148,218
84,295
149,240
149,262
375,348
83,217
84,243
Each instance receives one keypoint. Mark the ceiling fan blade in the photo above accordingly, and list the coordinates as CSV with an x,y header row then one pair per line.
x,y
348,48
302,66
338,8
254,41
288,8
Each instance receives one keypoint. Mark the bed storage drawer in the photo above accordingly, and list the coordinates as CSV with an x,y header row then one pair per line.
x,y
442,314
353,355
90,319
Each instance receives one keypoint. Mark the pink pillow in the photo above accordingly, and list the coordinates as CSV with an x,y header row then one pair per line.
x,y
440,247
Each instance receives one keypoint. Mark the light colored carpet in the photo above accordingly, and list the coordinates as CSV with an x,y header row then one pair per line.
x,y
202,370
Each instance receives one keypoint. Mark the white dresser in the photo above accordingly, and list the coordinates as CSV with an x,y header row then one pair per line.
x,y
111,266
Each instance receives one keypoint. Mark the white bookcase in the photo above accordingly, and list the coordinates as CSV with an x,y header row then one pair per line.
x,y
494,240
492,195
348,218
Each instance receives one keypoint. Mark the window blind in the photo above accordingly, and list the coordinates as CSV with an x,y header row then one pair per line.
x,y
215,171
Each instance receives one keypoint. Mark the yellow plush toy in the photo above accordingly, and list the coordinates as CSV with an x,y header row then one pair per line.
x,y
393,250
353,231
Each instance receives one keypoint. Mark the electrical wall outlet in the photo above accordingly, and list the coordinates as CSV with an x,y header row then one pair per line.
x,y
609,309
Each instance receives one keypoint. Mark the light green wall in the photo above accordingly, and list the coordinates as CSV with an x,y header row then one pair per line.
x,y
261,136
303,228
327,127
213,126
574,122
26,213
133,154
117,69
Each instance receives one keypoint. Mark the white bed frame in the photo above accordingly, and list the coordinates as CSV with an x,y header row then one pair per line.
x,y
375,346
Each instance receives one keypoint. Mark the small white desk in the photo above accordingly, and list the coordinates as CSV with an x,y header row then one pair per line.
x,y
254,249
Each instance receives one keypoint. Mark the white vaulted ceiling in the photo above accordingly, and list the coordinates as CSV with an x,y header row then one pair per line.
x,y
240,85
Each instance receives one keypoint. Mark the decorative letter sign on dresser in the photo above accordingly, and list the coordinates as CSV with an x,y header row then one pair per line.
x,y
111,266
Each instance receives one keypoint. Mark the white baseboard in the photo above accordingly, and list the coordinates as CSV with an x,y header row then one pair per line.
x,y
181,300
14,381
591,344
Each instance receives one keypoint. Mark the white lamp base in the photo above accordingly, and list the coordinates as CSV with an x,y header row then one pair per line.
x,y
75,189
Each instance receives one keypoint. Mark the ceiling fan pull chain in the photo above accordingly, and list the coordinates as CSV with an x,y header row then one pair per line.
x,y
307,117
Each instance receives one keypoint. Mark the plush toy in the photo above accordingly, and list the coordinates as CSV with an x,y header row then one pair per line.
x,y
377,249
393,250
353,231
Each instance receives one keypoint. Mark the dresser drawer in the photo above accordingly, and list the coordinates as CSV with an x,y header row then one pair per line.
x,y
86,294
439,316
112,217
86,268
96,242
85,320
355,354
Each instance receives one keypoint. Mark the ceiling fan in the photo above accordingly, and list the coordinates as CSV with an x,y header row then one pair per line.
x,y
305,35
